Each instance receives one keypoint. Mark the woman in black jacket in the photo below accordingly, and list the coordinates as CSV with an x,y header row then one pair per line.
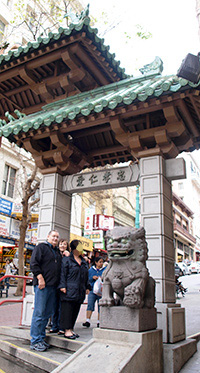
x,y
73,285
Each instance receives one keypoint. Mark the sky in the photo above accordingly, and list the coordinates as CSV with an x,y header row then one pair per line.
x,y
172,23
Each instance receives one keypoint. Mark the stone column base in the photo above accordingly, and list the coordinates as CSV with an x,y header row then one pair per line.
x,y
134,320
171,319
117,351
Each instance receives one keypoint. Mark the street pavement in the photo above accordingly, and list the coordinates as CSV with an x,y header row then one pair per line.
x,y
10,315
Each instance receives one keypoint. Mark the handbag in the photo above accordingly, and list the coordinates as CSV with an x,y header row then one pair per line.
x,y
98,285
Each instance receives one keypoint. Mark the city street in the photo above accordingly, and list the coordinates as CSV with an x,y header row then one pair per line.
x,y
191,302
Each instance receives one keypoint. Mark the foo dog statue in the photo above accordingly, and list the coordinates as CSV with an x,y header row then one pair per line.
x,y
126,274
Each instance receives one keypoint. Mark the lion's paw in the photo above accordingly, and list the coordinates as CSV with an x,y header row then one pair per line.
x,y
107,302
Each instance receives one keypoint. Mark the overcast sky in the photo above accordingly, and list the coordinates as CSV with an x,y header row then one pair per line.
x,y
173,25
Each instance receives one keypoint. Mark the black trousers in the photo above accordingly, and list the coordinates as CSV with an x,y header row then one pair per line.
x,y
69,313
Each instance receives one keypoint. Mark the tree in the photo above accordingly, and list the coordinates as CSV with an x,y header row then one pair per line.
x,y
37,18
29,185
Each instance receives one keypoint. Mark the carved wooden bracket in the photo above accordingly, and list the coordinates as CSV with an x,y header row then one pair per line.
x,y
27,75
120,130
77,73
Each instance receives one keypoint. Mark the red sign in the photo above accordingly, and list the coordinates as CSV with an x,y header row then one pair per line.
x,y
103,222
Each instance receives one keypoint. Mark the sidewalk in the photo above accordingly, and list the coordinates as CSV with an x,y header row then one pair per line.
x,y
10,313
10,316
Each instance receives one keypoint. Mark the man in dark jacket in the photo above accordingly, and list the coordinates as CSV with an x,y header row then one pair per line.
x,y
45,265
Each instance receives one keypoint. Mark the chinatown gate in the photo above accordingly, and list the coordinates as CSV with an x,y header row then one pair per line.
x,y
65,99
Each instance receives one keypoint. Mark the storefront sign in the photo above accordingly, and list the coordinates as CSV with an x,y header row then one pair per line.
x,y
29,246
7,242
87,243
95,236
99,246
104,222
15,232
4,225
5,206
88,219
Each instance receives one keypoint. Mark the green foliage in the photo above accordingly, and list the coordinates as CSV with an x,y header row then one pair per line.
x,y
38,17
142,34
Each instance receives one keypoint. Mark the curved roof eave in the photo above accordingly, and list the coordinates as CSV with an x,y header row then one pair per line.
x,y
124,92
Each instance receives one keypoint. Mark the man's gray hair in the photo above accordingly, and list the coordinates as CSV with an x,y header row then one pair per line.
x,y
53,230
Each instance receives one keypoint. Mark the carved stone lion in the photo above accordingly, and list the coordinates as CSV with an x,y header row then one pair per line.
x,y
126,274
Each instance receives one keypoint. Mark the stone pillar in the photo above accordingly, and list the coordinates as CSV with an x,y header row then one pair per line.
x,y
156,218
55,207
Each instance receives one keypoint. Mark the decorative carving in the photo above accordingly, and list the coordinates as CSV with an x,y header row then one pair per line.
x,y
19,114
76,18
126,274
10,117
2,123
155,67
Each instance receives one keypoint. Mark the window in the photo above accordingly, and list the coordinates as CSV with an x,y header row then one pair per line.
x,y
180,186
8,181
2,29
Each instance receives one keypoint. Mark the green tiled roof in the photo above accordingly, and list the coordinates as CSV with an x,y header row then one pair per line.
x,y
124,92
61,34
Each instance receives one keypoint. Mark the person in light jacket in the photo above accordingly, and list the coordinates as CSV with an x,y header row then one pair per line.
x,y
94,273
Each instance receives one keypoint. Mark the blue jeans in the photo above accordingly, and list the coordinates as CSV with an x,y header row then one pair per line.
x,y
44,305
92,298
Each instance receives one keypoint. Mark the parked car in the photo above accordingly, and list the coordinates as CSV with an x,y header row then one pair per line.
x,y
178,270
185,269
194,267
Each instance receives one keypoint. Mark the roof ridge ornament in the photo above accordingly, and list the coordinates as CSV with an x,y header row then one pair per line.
x,y
77,18
2,123
19,114
155,67
11,118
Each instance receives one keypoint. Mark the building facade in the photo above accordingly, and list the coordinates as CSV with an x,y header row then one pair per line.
x,y
188,190
184,241
11,185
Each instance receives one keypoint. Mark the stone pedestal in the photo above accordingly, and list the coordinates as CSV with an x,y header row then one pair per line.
x,y
118,351
129,319
55,207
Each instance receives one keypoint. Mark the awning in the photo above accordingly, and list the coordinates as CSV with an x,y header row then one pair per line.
x,y
18,215
5,244
86,242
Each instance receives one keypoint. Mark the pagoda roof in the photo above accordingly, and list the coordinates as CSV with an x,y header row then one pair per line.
x,y
135,117
43,42
64,64
123,93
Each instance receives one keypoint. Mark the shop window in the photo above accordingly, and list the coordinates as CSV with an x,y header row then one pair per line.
x,y
8,181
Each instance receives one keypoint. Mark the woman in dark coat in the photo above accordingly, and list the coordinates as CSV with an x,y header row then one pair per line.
x,y
74,285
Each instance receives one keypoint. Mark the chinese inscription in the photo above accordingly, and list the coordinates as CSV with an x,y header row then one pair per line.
x,y
121,175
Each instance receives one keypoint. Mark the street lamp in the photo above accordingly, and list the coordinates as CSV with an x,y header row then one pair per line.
x,y
190,68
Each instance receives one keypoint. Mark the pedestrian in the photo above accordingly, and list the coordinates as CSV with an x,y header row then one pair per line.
x,y
45,264
74,285
94,273
8,268
55,318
